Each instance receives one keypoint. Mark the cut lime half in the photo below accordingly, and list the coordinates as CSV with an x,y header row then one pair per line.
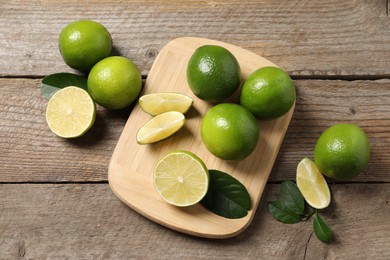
x,y
181,178
312,184
157,103
71,112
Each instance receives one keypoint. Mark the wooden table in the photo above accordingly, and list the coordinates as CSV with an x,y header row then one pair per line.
x,y
55,202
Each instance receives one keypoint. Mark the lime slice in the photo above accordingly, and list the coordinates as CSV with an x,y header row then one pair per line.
x,y
155,104
160,127
181,178
312,184
70,112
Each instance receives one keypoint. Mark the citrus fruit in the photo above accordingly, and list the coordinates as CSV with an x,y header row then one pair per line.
x,y
342,151
83,43
230,131
70,112
312,184
213,73
268,93
160,127
114,82
158,103
181,178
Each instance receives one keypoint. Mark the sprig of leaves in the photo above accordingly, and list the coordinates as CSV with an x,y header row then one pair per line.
x,y
290,209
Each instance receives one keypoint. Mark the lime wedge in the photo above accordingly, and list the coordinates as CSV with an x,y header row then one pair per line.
x,y
181,178
71,112
312,184
157,103
160,127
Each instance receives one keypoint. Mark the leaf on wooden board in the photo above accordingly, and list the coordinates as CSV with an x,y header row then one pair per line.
x,y
321,229
226,196
54,82
281,213
292,197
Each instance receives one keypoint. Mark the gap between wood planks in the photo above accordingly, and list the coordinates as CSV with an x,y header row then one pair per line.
x,y
294,77
106,182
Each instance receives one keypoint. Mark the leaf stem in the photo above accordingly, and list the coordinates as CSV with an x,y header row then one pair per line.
x,y
306,217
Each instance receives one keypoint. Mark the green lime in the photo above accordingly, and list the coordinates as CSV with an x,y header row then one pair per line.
x,y
342,151
114,82
230,131
83,43
213,73
268,93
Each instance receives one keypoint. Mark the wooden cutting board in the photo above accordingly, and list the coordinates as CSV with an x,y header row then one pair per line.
x,y
131,167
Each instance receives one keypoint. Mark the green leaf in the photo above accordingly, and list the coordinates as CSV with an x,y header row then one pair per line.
x,y
292,197
281,213
54,82
321,229
226,196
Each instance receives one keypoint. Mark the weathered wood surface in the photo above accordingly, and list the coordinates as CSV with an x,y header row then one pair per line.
x,y
345,41
76,221
31,153
326,38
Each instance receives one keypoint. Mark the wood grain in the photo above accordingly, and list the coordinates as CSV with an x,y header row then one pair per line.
x,y
131,166
326,38
31,153
321,104
310,39
88,222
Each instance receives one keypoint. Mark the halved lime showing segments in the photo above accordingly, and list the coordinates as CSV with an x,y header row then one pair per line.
x,y
71,112
181,178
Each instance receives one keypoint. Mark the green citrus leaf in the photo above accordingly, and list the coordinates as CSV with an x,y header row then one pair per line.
x,y
226,196
292,197
321,229
281,213
54,82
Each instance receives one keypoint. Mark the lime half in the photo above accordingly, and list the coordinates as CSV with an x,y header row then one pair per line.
x,y
71,112
312,184
160,127
157,103
181,178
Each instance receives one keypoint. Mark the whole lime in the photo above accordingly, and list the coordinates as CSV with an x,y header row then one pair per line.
x,y
83,43
342,151
114,82
268,93
213,73
230,131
